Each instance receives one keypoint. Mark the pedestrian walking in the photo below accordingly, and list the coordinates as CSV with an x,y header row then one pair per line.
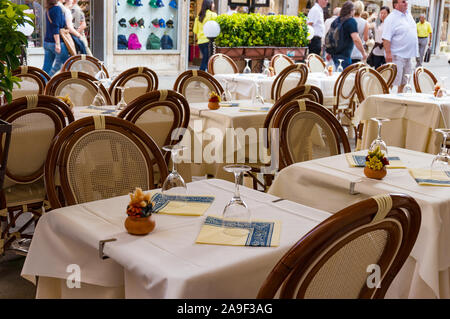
x,y
377,58
315,19
206,14
424,34
400,41
363,30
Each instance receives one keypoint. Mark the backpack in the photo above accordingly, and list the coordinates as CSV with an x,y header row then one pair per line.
x,y
332,37
166,42
133,42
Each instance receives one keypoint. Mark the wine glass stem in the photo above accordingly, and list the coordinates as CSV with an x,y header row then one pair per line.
x,y
444,143
379,130
174,156
236,185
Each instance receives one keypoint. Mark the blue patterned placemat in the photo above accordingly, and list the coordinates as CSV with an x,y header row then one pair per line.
x,y
160,201
259,235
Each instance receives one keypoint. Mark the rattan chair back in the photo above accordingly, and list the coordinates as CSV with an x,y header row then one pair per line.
x,y
279,62
315,63
388,71
84,63
292,76
33,81
369,82
196,85
220,63
336,259
424,80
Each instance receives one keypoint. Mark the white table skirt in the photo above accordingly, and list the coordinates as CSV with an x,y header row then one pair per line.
x,y
166,263
413,120
426,274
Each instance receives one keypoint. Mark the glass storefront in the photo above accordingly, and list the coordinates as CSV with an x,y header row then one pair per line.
x,y
445,30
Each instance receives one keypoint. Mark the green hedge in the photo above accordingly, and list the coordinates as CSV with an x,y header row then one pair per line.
x,y
242,30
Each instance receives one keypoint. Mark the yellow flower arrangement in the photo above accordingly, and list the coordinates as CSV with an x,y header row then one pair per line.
x,y
376,160
214,97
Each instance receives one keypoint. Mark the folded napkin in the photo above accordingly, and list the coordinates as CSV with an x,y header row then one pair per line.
x,y
258,233
426,177
99,110
360,161
229,104
185,205
254,108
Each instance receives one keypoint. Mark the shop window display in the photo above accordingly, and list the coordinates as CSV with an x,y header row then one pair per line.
x,y
146,25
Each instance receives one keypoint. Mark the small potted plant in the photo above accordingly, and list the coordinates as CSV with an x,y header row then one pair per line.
x,y
139,211
213,102
376,164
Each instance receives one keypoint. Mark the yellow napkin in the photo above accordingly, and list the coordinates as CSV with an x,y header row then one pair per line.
x,y
187,205
259,233
426,177
360,161
254,108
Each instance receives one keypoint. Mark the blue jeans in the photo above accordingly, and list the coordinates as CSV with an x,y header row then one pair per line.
x,y
52,60
204,49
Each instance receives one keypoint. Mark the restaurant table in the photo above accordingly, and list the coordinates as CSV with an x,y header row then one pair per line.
x,y
167,263
242,86
206,122
324,184
414,116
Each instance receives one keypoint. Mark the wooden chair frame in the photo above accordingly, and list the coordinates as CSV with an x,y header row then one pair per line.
x,y
40,76
279,56
57,111
63,143
174,100
58,79
288,110
186,76
127,75
295,270
392,68
416,77
358,82
281,77
314,56
71,60
213,58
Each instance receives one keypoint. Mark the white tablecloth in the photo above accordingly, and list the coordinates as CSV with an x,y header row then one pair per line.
x,y
166,263
242,86
413,120
324,184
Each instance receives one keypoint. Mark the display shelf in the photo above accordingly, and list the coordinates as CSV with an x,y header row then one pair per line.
x,y
148,24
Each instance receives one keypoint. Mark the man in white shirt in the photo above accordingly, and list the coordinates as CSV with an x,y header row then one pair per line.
x,y
400,40
315,19
232,9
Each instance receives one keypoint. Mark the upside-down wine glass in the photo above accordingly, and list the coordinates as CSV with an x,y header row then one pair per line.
x,y
258,99
340,68
378,142
98,100
174,184
266,71
441,162
101,75
121,104
236,213
407,88
247,66
226,94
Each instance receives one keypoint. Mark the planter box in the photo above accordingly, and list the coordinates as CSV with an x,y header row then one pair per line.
x,y
258,54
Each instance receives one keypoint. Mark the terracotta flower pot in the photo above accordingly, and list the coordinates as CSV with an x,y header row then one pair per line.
x,y
213,105
139,225
375,174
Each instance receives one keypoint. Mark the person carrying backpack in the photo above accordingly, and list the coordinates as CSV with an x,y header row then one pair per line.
x,y
342,36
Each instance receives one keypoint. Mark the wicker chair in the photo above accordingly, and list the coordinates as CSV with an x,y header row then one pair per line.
x,y
101,157
388,71
36,120
308,92
221,64
84,63
315,63
335,259
424,80
80,87
159,113
133,78
195,85
369,82
293,72
307,131
279,62
33,81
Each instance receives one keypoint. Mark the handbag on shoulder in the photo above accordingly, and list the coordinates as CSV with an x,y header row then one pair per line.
x,y
66,37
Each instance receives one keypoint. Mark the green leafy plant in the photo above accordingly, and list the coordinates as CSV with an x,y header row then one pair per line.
x,y
250,30
11,41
